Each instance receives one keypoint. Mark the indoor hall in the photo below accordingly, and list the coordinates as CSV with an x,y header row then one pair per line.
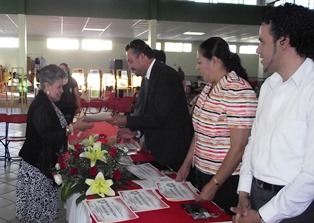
x,y
240,30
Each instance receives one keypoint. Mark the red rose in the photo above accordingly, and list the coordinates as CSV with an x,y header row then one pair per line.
x,y
61,162
103,141
76,154
78,147
73,171
113,152
89,197
117,175
66,156
102,136
93,171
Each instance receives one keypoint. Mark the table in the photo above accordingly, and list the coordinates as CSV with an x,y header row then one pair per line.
x,y
174,214
78,213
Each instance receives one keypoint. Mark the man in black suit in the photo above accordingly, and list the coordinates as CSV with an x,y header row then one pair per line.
x,y
162,114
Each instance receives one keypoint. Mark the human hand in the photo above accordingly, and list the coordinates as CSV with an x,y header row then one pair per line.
x,y
244,205
125,133
183,173
81,125
78,111
251,216
208,192
118,120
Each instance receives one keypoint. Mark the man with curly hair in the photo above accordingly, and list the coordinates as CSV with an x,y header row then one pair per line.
x,y
277,175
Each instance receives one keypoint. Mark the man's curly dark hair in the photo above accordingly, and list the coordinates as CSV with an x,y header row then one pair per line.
x,y
295,22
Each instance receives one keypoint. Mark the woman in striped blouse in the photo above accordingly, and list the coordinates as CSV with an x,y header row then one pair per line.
x,y
222,120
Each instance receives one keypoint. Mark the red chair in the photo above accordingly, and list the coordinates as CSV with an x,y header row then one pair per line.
x,y
123,106
110,104
3,121
15,132
97,104
84,105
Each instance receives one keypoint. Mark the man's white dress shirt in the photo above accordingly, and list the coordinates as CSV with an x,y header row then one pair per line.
x,y
281,147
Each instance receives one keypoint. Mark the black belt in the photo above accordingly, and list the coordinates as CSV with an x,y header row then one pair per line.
x,y
267,186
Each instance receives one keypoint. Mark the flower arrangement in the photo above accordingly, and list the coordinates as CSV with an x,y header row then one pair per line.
x,y
90,167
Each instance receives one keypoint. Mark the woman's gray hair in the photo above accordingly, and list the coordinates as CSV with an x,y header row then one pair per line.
x,y
50,74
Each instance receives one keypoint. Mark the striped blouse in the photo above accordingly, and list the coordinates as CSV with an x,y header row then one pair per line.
x,y
230,104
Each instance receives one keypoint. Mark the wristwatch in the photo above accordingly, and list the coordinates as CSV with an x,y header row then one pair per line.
x,y
138,134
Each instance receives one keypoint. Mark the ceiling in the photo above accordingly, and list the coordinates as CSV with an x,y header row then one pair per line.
x,y
79,27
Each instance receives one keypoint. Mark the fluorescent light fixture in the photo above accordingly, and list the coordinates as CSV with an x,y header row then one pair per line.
x,y
194,33
62,44
202,1
96,44
9,42
94,30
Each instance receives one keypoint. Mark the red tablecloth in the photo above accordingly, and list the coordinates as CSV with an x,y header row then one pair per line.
x,y
174,214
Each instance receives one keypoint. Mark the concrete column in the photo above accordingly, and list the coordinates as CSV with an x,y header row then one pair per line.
x,y
22,62
152,33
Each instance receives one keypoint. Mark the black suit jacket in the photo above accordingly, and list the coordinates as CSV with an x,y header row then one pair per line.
x,y
45,137
165,121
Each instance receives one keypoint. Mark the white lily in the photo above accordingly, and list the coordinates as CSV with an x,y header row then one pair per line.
x,y
95,153
99,186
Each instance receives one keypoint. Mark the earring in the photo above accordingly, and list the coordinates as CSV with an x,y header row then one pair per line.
x,y
47,92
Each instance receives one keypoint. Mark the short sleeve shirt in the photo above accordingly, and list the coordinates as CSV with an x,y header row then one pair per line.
x,y
231,103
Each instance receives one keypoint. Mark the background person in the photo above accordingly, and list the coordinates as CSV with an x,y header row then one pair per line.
x,y
277,176
70,102
37,196
162,114
222,120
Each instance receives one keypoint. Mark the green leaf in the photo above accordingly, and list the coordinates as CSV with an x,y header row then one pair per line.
x,y
80,198
78,188
65,190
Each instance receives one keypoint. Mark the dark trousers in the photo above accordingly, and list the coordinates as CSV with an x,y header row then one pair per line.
x,y
226,196
260,196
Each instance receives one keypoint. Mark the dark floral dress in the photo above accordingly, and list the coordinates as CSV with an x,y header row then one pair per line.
x,y
37,198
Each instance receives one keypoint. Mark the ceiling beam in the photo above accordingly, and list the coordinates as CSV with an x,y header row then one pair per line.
x,y
139,9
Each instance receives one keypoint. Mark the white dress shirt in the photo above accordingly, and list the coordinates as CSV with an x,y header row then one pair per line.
x,y
281,147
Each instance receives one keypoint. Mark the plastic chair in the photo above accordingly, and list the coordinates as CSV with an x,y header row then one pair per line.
x,y
123,106
3,121
15,132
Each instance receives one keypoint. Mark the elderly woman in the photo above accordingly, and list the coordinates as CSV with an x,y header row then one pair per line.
x,y
222,120
37,196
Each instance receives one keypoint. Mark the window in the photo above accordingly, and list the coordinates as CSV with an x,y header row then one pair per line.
x,y
158,46
62,44
233,48
96,44
178,47
248,49
9,42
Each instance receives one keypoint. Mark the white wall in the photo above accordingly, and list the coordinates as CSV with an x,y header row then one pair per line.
x,y
100,60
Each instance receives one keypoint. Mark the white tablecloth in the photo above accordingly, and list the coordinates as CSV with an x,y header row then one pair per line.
x,y
76,213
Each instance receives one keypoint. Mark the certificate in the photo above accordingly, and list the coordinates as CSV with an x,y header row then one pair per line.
x,y
143,200
109,209
151,183
145,171
177,191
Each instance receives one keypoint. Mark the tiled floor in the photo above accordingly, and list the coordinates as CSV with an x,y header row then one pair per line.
x,y
8,177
